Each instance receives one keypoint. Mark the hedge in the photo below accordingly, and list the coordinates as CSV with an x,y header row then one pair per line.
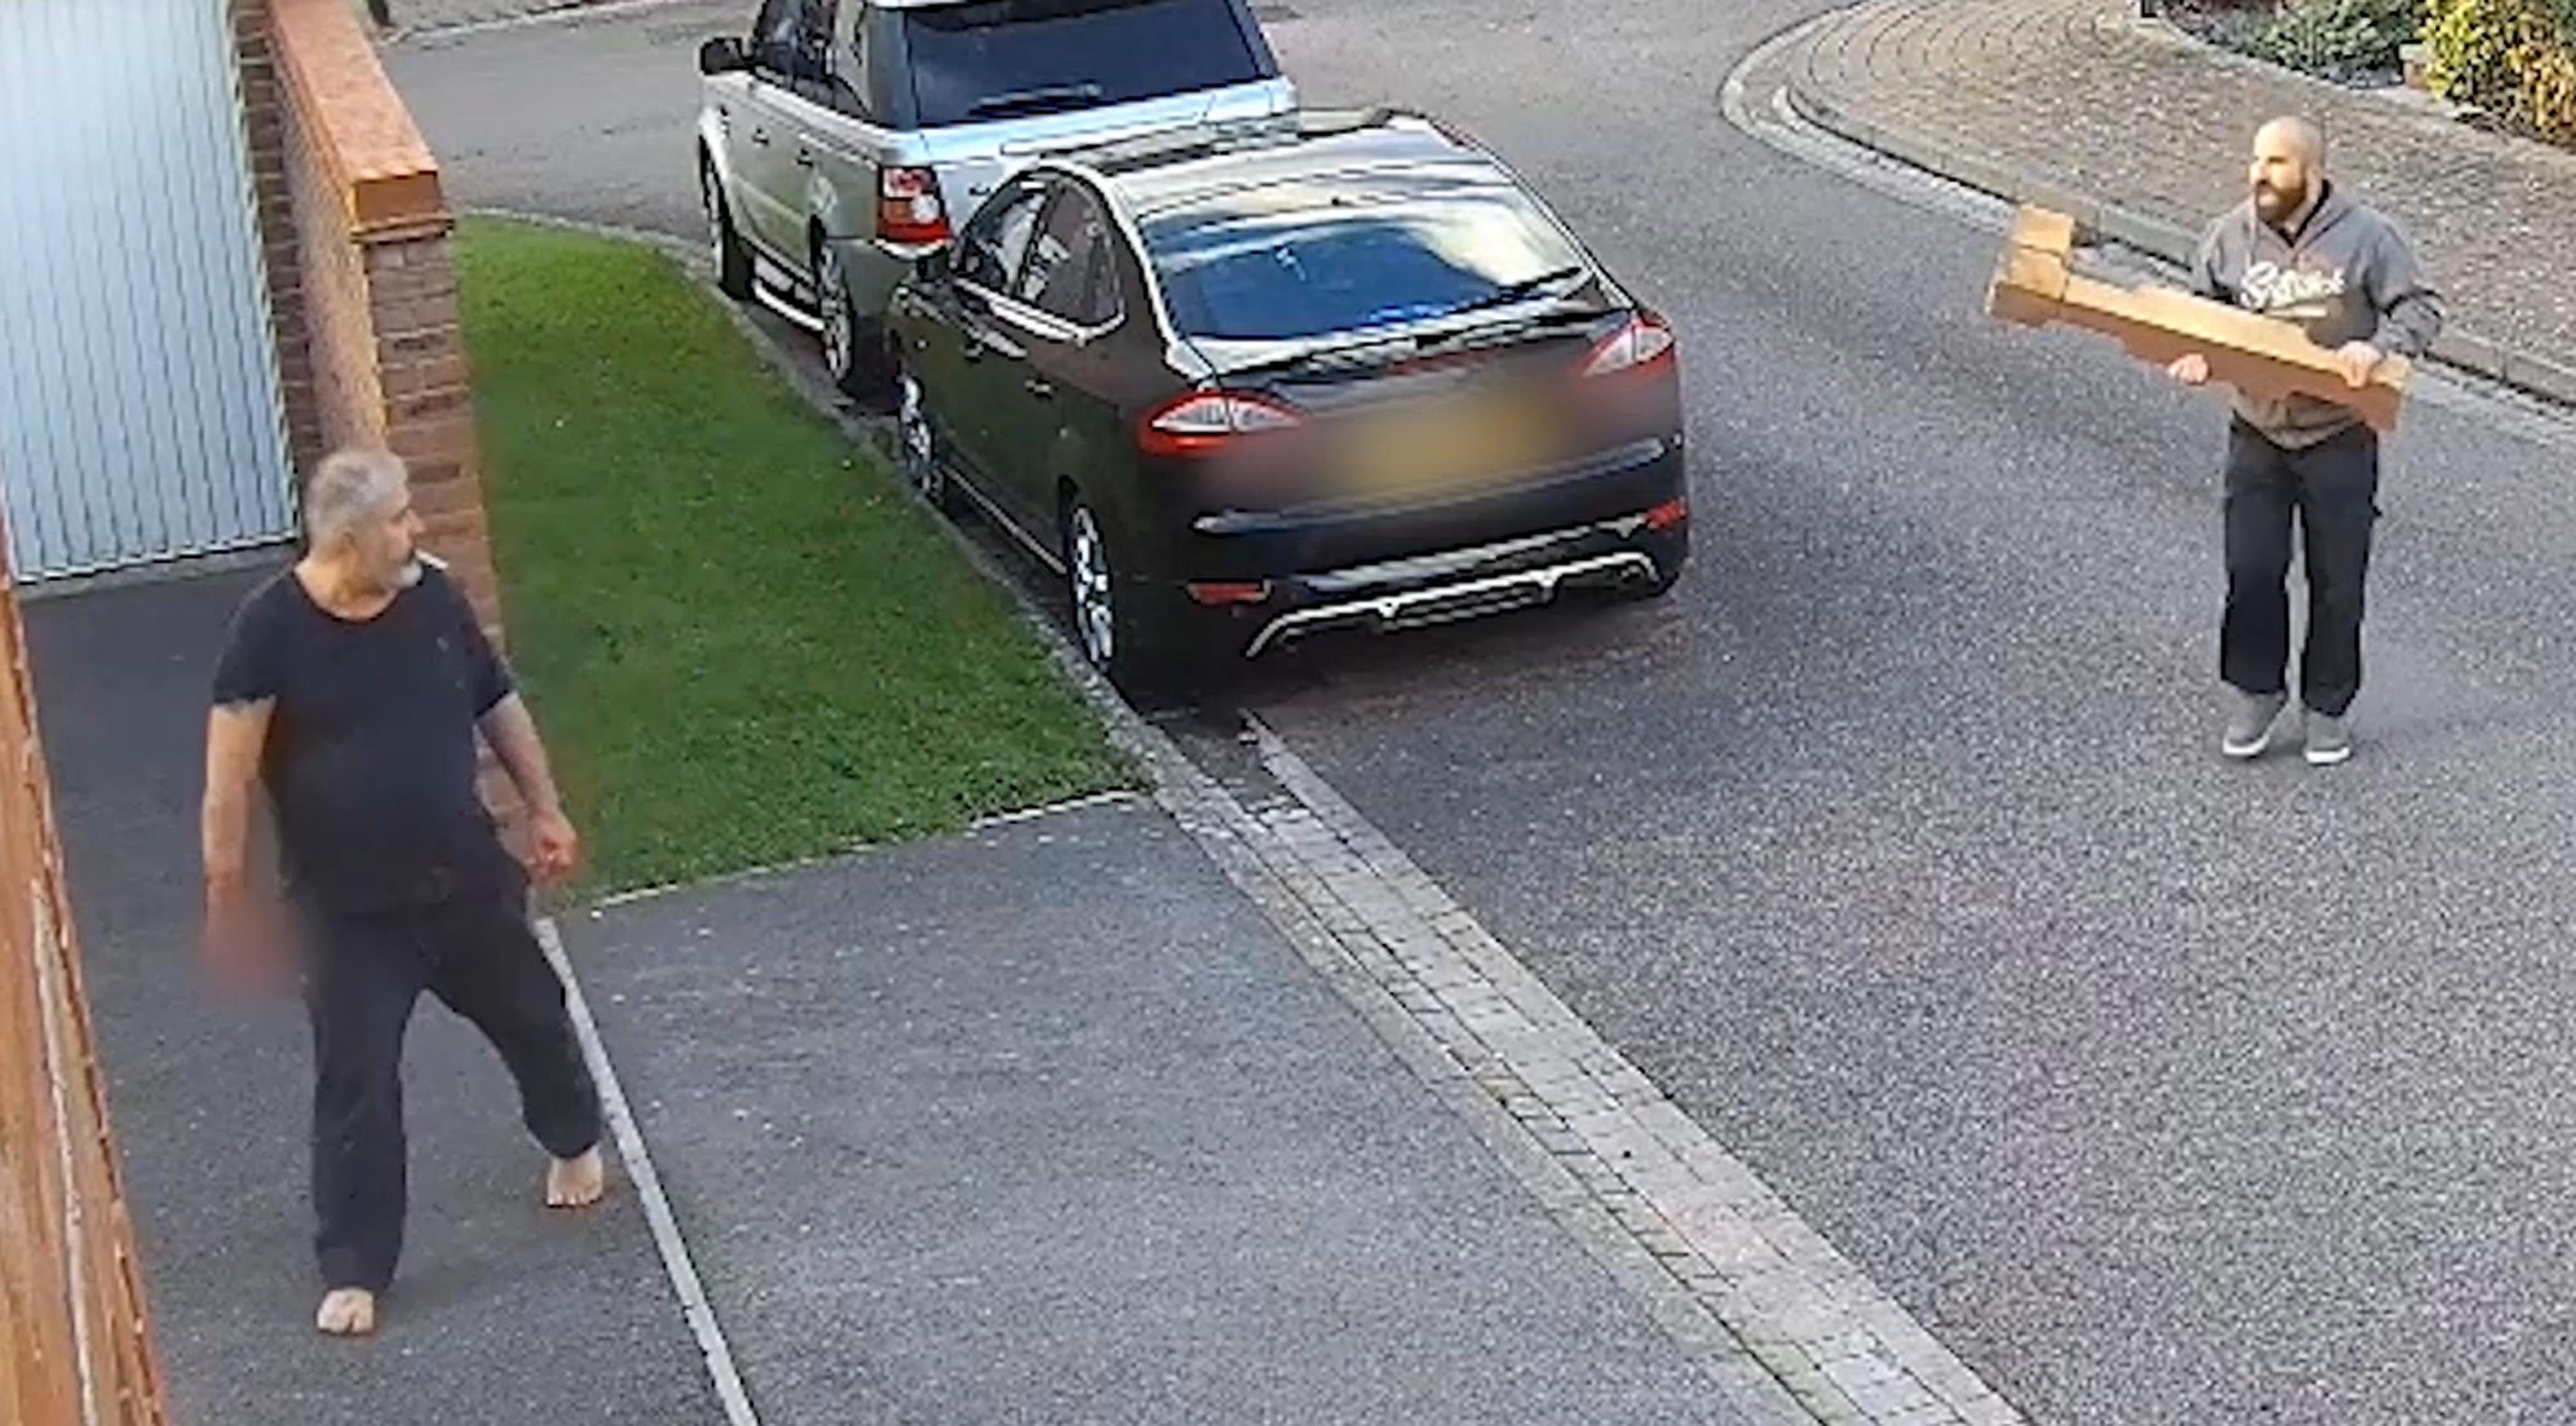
x,y
2515,59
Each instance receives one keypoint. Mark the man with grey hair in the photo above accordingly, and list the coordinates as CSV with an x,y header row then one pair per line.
x,y
2302,252
353,685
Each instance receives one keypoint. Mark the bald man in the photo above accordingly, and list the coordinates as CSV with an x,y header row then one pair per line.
x,y
2300,251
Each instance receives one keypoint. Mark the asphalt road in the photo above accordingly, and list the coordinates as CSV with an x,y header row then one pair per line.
x,y
1895,843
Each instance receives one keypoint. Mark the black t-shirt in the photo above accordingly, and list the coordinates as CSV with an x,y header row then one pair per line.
x,y
371,754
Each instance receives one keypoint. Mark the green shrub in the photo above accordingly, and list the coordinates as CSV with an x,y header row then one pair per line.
x,y
2337,39
2515,59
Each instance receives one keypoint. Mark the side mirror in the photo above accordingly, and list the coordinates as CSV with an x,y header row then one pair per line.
x,y
722,55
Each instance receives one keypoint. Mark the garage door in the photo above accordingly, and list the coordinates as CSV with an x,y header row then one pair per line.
x,y
139,412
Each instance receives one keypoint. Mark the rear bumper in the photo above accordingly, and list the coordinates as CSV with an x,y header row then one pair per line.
x,y
1439,587
1286,543
1253,581
1513,584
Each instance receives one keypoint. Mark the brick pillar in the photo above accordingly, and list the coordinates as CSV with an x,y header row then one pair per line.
x,y
428,404
264,116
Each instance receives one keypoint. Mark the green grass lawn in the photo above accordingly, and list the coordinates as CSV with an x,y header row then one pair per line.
x,y
744,642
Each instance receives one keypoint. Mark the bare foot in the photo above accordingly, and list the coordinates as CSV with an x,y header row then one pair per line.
x,y
347,1312
576,1183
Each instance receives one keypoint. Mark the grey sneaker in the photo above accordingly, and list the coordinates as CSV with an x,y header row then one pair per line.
x,y
2329,739
2249,722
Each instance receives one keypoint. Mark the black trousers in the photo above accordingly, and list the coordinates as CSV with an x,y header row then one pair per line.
x,y
363,973
2333,490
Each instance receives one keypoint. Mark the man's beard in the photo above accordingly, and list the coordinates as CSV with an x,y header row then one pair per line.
x,y
2277,204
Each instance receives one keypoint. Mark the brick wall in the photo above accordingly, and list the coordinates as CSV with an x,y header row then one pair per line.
x,y
76,1342
342,391
263,106
422,383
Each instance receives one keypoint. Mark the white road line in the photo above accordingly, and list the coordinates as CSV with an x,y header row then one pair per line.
x,y
1111,798
660,889
701,1313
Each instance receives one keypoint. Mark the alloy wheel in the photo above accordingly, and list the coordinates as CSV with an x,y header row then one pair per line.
x,y
1095,608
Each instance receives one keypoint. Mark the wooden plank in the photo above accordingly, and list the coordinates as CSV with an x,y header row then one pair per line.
x,y
2035,286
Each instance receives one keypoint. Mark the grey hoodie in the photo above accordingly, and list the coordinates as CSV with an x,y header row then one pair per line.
x,y
2347,275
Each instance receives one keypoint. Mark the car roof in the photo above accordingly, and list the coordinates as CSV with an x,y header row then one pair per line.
x,y
1173,168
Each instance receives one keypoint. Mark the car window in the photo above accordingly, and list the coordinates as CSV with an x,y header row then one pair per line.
x,y
1069,272
996,59
845,65
1306,259
989,251
812,66
773,37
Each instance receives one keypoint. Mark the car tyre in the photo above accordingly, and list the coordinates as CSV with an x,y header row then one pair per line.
x,y
1107,627
917,445
853,349
732,259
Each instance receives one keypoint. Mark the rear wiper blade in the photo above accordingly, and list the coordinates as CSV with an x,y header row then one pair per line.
x,y
1371,352
1511,292
1518,329
1025,101
1385,351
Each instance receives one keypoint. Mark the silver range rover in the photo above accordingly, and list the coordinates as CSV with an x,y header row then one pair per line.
x,y
841,140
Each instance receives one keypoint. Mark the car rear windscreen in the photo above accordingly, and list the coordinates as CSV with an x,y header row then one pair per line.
x,y
1290,261
1001,59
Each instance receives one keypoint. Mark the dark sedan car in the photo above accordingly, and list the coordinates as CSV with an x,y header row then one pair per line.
x,y
1248,383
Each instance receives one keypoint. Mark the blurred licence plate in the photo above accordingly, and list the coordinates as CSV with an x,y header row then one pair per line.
x,y
1448,444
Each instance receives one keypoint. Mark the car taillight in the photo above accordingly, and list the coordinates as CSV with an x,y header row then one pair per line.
x,y
1206,422
1645,343
908,207
1221,593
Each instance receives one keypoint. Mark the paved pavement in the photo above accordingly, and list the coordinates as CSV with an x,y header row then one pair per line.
x,y
2047,100
1892,845
1048,1124
502,1312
